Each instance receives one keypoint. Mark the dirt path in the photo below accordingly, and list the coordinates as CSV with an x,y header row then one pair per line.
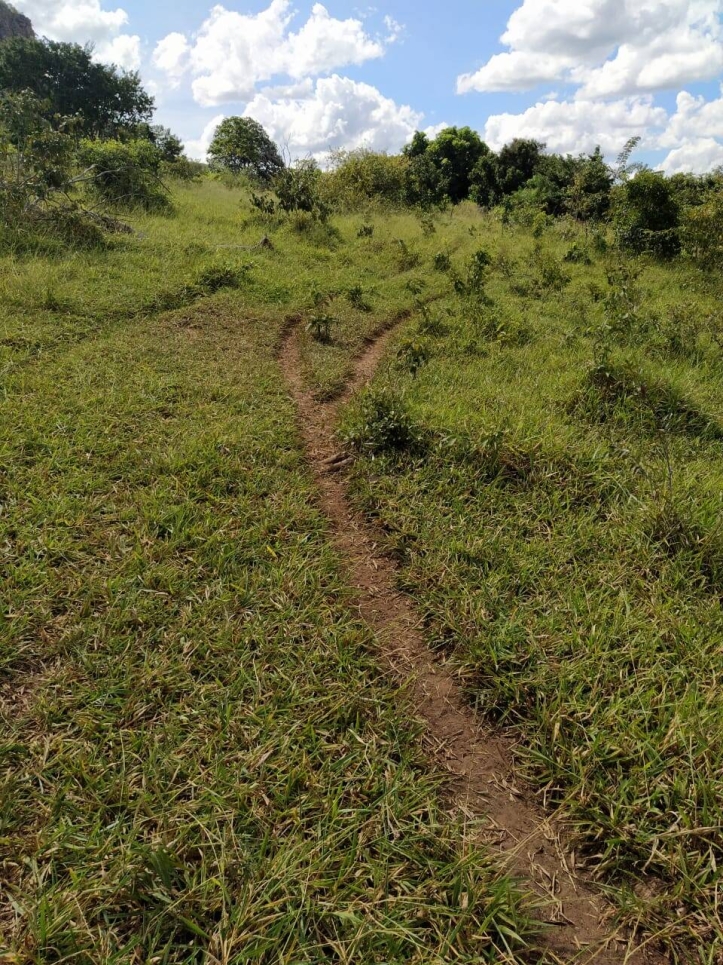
x,y
535,847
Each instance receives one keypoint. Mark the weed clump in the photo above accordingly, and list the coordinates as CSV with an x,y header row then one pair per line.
x,y
618,392
383,424
209,280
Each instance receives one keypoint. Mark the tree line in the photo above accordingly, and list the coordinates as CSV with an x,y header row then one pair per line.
x,y
70,126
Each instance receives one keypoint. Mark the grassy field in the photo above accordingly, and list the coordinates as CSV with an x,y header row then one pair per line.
x,y
550,481
200,762
200,759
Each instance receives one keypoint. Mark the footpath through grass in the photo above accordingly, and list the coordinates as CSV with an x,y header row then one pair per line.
x,y
199,761
545,455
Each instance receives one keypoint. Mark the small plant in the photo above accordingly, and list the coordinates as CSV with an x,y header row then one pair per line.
x,y
413,353
357,300
539,224
365,231
320,325
505,264
321,298
551,274
578,254
471,286
624,298
408,258
427,225
264,204
430,324
442,262
383,424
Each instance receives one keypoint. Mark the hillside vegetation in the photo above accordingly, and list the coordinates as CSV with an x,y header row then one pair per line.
x,y
201,758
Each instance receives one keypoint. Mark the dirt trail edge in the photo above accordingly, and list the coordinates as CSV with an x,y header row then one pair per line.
x,y
534,846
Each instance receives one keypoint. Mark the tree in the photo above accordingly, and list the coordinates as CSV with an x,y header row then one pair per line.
x,y
484,183
417,146
517,162
589,193
241,144
102,99
647,216
455,152
170,146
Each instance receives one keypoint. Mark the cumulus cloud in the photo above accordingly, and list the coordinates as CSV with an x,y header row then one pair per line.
x,y
86,21
616,55
171,56
609,48
313,117
694,118
699,156
233,52
573,126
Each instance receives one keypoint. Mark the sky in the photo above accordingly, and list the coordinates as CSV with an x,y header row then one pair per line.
x,y
570,73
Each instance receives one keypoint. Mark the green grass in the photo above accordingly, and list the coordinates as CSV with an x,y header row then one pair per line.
x,y
200,760
559,527
203,762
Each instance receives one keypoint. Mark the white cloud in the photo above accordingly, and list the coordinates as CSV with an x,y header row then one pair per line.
x,y
616,55
333,112
699,156
85,21
198,149
611,48
694,118
574,126
172,57
233,52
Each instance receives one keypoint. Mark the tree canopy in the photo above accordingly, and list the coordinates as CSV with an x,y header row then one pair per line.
x,y
104,100
241,144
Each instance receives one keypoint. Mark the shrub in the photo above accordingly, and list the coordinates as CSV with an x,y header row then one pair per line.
x,y
297,189
37,178
442,262
383,424
647,216
703,232
126,175
358,177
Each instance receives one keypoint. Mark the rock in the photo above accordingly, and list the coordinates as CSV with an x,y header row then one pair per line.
x,y
13,23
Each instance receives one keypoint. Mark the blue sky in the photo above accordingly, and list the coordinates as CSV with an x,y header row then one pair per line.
x,y
572,73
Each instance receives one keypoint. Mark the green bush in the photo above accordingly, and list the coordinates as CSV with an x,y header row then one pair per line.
x,y
646,215
297,189
126,175
703,232
362,176
37,179
383,424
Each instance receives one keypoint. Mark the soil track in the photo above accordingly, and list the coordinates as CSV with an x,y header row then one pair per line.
x,y
535,847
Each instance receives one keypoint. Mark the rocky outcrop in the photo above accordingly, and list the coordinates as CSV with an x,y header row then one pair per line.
x,y
14,24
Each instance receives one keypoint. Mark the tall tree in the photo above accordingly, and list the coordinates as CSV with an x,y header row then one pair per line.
x,y
517,162
105,100
241,144
455,152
